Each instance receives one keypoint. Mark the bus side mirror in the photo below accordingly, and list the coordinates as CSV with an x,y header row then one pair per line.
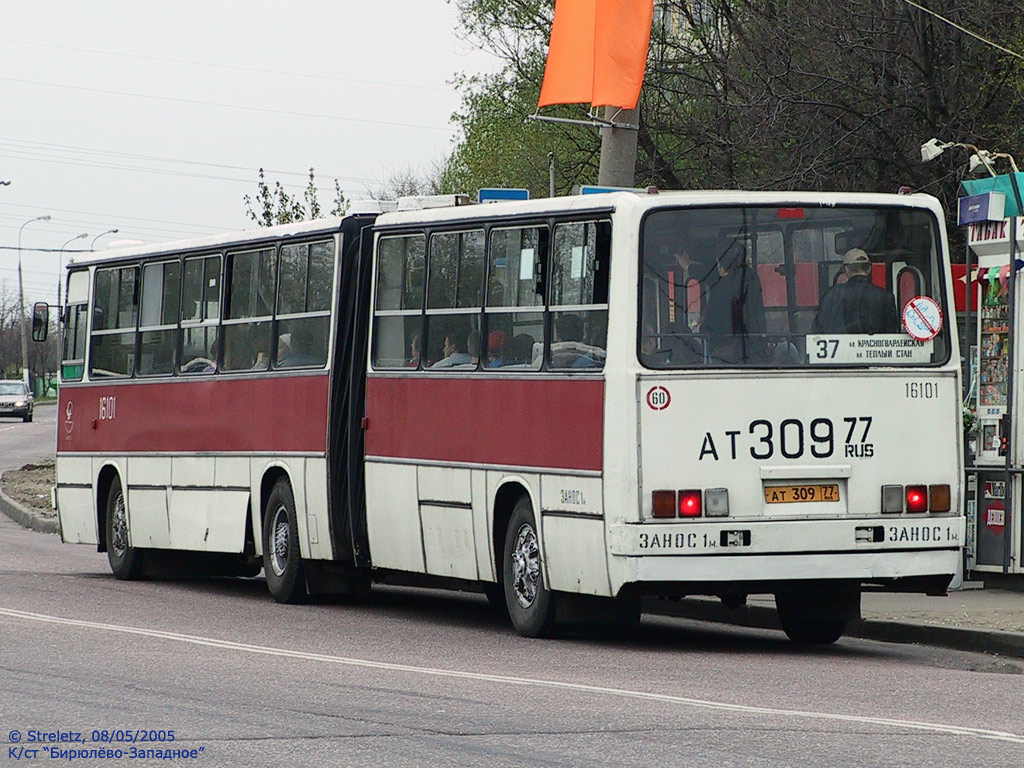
x,y
40,321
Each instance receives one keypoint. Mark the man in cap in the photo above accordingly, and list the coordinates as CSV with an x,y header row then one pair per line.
x,y
858,305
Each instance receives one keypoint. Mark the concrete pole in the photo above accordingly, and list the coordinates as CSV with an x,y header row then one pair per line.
x,y
21,318
618,149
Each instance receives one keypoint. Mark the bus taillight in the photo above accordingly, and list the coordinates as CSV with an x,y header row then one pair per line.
x,y
917,498
939,498
663,504
716,502
689,503
892,499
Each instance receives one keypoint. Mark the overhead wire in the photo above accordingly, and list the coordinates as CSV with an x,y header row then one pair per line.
x,y
159,158
225,105
235,67
963,29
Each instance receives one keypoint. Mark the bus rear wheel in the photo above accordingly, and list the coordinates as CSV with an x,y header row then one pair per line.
x,y
815,619
282,560
531,606
125,561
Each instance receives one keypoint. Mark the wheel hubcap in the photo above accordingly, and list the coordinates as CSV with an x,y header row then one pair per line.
x,y
119,527
280,541
526,566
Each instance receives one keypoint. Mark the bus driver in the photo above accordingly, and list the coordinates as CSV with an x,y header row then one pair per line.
x,y
858,305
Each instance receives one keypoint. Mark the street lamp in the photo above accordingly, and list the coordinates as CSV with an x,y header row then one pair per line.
x,y
21,302
101,234
981,157
60,266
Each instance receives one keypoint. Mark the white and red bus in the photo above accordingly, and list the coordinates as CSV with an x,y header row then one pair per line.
x,y
570,403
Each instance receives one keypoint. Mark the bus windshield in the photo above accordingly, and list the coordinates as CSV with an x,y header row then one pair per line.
x,y
784,287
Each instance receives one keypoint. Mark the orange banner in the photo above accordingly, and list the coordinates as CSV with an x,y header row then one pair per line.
x,y
598,52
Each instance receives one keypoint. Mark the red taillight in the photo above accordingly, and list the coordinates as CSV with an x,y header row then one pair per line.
x,y
689,504
663,504
791,213
917,498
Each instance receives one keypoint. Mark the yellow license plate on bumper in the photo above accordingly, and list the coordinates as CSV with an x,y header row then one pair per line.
x,y
795,494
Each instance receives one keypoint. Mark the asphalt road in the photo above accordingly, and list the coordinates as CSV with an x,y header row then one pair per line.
x,y
21,443
408,677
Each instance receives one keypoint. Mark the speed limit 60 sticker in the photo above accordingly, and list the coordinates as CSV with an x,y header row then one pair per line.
x,y
658,398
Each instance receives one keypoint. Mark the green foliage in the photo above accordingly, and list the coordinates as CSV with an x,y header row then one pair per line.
x,y
500,147
273,206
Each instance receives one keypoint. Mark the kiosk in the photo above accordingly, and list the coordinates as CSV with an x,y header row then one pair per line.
x,y
992,303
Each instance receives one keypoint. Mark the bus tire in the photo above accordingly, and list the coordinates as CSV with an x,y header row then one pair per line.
x,y
125,561
282,559
803,621
531,606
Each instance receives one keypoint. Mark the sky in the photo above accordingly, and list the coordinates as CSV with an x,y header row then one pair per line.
x,y
153,117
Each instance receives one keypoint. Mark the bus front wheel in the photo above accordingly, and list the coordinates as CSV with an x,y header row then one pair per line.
x,y
531,606
282,560
125,561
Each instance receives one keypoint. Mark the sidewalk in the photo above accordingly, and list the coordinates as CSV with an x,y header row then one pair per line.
x,y
982,620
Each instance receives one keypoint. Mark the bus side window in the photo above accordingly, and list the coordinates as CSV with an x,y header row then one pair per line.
x,y
115,314
455,279
158,322
304,304
200,314
579,294
398,303
248,305
516,263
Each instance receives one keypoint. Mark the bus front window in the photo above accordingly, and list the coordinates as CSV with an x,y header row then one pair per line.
x,y
787,287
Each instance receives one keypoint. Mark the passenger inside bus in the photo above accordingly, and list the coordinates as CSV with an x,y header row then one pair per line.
x,y
525,350
456,351
568,350
733,315
856,305
497,342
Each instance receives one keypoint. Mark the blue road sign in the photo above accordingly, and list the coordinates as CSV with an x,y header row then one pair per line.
x,y
590,189
498,195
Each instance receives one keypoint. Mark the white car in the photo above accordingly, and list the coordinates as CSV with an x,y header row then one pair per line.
x,y
16,400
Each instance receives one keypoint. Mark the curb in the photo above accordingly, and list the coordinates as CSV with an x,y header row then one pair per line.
x,y
25,517
991,641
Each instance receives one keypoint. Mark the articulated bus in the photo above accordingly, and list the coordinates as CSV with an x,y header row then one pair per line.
x,y
569,404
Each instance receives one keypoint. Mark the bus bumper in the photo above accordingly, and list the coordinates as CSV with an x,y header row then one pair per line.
x,y
868,550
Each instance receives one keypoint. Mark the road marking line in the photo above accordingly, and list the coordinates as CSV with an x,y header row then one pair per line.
x,y
943,728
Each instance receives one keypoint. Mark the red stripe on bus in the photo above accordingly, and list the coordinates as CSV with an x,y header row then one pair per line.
x,y
274,413
512,422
